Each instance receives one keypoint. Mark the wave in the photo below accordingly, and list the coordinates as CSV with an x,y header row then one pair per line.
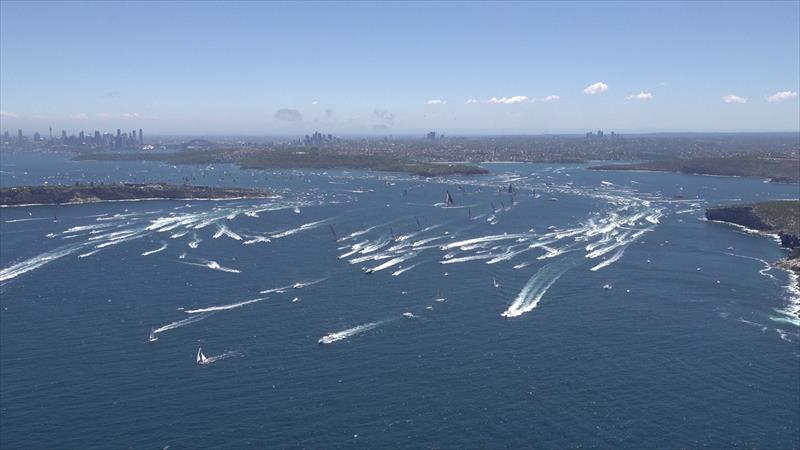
x,y
159,249
533,291
224,307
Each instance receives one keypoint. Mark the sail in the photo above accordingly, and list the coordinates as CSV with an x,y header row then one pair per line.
x,y
510,188
201,358
448,199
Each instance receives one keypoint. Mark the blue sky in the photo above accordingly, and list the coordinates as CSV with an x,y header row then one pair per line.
x,y
267,68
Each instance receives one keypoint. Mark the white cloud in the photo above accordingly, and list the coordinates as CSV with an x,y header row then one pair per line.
x,y
315,102
102,115
551,98
730,98
471,101
641,96
509,100
79,116
133,115
662,83
781,96
8,114
435,101
595,88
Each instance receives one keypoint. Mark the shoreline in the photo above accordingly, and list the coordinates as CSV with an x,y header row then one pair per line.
x,y
166,199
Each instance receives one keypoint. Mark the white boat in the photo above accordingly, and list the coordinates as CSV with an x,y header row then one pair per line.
x,y
495,283
607,286
296,210
296,299
152,337
409,315
201,358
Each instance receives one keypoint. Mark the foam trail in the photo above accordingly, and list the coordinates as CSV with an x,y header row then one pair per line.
x,y
344,334
212,265
180,323
84,255
29,219
225,307
404,270
195,241
162,248
222,230
34,263
358,233
256,239
466,258
610,260
78,229
497,237
393,262
306,226
220,357
533,291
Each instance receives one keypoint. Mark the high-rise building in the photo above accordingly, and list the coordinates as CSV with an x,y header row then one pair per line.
x,y
432,135
63,135
37,137
141,139
19,137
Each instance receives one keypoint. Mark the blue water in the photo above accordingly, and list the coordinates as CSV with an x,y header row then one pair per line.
x,y
670,356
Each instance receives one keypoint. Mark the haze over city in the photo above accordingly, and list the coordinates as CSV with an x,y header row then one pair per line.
x,y
399,68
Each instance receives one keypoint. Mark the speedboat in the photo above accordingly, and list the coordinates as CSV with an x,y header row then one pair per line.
x,y
152,337
607,286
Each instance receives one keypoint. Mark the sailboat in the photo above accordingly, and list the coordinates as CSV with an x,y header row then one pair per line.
x,y
201,358
419,226
448,200
495,283
335,237
510,188
394,236
152,337
469,213
439,297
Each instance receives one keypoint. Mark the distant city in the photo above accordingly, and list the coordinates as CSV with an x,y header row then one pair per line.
x,y
82,141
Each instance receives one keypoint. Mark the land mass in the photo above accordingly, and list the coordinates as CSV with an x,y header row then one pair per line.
x,y
775,217
87,193
783,170
306,158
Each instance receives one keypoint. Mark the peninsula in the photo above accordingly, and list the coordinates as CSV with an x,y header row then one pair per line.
x,y
299,158
775,217
87,193
782,170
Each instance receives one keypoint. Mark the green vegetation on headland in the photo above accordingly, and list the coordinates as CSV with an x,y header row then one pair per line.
x,y
86,193
775,217
296,159
784,170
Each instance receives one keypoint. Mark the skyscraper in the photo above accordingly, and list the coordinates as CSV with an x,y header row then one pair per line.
x,y
141,140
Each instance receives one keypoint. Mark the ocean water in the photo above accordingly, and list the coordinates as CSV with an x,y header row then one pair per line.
x,y
589,309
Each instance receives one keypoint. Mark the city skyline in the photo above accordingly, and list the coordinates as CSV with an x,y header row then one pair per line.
x,y
281,69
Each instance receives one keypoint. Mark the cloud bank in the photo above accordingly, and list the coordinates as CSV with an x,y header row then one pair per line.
x,y
781,96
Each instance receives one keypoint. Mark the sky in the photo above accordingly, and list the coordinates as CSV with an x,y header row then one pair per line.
x,y
399,68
